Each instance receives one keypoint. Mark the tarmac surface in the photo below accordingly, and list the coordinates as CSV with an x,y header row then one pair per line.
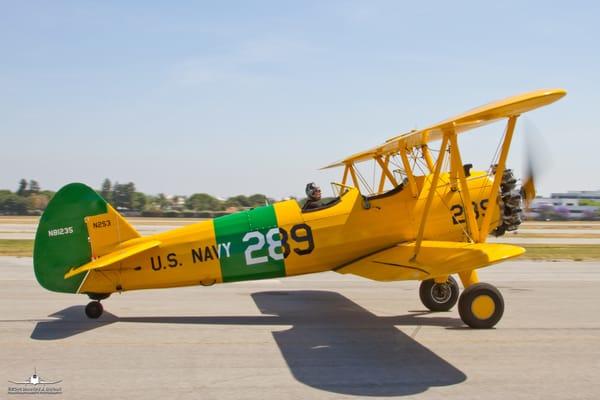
x,y
321,336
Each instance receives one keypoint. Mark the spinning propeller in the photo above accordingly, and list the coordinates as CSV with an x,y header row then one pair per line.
x,y
532,162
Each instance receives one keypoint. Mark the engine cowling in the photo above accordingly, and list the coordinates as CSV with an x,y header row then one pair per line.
x,y
511,203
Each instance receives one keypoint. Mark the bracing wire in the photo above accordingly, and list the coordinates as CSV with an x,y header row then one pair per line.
x,y
374,175
493,160
363,181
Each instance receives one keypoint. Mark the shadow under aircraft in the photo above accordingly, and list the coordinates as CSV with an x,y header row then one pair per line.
x,y
334,344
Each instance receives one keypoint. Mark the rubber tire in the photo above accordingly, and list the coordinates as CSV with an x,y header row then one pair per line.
x,y
468,296
433,305
94,309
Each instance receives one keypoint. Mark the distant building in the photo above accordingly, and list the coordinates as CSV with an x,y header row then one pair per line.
x,y
176,202
565,205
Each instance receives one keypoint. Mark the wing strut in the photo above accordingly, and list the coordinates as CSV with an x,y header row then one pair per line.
x,y
408,171
345,177
432,189
510,128
465,194
349,168
385,172
386,162
353,175
427,156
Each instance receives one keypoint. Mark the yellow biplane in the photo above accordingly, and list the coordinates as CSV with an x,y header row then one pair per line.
x,y
428,219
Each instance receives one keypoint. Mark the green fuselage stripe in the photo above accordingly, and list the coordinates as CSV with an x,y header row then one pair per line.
x,y
243,234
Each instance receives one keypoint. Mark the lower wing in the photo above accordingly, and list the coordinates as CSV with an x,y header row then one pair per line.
x,y
436,258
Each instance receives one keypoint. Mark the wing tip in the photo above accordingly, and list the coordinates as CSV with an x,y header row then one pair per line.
x,y
334,165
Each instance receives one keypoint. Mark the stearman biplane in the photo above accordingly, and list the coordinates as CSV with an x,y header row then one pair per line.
x,y
428,219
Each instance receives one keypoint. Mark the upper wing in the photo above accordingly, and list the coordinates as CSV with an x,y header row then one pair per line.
x,y
475,118
113,257
436,258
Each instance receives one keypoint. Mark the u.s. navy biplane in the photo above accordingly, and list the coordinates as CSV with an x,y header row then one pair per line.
x,y
427,219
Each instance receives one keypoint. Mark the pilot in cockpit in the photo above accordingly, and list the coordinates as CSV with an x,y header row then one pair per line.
x,y
313,197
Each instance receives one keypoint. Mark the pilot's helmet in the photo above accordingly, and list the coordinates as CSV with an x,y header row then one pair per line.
x,y
313,191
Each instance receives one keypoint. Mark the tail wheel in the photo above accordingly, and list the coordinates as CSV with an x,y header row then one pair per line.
x,y
94,309
481,306
439,296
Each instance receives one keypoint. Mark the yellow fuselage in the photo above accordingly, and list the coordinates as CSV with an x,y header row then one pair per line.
x,y
280,240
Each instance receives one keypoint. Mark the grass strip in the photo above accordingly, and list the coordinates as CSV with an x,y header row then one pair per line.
x,y
16,247
575,252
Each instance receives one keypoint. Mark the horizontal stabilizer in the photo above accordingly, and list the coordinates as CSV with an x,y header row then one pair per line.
x,y
111,258
436,258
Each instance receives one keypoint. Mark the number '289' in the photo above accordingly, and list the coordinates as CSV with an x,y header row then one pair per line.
x,y
278,241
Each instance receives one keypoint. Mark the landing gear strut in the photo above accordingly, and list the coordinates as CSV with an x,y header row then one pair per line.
x,y
94,309
439,296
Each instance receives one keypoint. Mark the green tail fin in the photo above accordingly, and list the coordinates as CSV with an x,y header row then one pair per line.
x,y
61,240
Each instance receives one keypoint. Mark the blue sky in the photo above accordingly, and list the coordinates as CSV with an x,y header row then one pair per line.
x,y
245,97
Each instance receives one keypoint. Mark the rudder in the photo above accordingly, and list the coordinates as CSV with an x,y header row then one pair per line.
x,y
77,226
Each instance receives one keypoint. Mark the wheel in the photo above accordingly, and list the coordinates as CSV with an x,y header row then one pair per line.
x,y
94,309
481,306
439,296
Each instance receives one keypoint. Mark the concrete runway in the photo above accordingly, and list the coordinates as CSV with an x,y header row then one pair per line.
x,y
319,336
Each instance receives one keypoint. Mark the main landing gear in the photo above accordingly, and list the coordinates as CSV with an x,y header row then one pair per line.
x,y
439,296
94,308
480,305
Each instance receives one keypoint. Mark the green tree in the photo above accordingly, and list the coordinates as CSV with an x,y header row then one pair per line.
x,y
203,202
158,202
139,201
48,193
12,204
258,200
123,195
34,187
238,201
4,195
162,201
37,201
22,190
106,190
